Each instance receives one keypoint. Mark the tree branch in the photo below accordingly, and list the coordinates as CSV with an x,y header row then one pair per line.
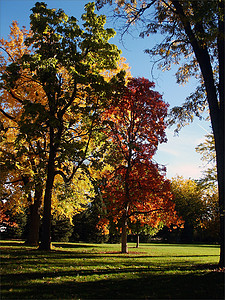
x,y
62,174
7,53
14,181
15,97
6,114
144,212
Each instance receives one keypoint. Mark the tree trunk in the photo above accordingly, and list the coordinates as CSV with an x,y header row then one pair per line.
x,y
124,248
33,233
138,239
46,225
216,107
220,145
221,182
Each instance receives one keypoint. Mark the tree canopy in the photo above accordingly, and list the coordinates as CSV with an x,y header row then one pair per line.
x,y
193,39
207,150
61,91
135,189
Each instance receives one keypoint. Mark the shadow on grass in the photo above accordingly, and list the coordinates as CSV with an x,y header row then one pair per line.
x,y
145,286
55,244
32,257
12,243
156,269
73,245
82,274
183,245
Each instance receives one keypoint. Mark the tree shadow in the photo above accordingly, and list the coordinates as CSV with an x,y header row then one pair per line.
x,y
12,244
73,245
180,245
145,286
83,274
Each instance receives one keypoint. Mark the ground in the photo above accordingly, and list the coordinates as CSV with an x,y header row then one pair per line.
x,y
100,271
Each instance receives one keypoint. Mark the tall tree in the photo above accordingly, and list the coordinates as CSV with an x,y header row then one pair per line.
x,y
193,30
21,171
66,63
136,190
22,164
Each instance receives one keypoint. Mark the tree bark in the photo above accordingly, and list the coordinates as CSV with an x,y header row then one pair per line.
x,y
33,233
216,107
46,225
138,240
220,144
124,248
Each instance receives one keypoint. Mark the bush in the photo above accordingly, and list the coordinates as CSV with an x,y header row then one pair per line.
x,y
62,229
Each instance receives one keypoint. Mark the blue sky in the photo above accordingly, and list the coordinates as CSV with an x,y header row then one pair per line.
x,y
178,154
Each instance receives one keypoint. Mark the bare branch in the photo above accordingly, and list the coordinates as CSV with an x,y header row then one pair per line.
x,y
7,53
6,114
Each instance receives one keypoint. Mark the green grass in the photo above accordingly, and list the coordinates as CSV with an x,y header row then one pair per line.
x,y
99,271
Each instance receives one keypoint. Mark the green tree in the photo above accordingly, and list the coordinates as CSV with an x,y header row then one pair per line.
x,y
207,150
197,205
189,204
193,30
22,175
85,225
62,229
22,163
66,63
210,229
16,227
209,184
140,229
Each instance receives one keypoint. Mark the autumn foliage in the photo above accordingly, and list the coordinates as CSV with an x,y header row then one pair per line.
x,y
149,198
136,189
53,91
64,112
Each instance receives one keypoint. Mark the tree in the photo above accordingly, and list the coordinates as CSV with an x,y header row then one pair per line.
x,y
18,166
189,204
71,199
193,30
196,204
208,183
21,171
210,229
207,150
62,229
66,63
22,164
5,221
136,190
144,230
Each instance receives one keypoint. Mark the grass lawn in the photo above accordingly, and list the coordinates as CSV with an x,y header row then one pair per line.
x,y
99,271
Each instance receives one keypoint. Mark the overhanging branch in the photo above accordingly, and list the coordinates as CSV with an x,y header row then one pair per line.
x,y
144,212
6,115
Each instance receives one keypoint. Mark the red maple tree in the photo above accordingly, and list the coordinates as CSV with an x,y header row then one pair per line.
x,y
137,189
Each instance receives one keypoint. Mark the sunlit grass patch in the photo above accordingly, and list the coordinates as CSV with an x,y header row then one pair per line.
x,y
100,271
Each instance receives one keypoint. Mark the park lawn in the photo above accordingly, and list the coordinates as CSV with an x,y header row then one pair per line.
x,y
100,271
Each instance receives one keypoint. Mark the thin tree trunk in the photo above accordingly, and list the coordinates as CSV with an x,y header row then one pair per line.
x,y
46,225
33,233
124,248
138,240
